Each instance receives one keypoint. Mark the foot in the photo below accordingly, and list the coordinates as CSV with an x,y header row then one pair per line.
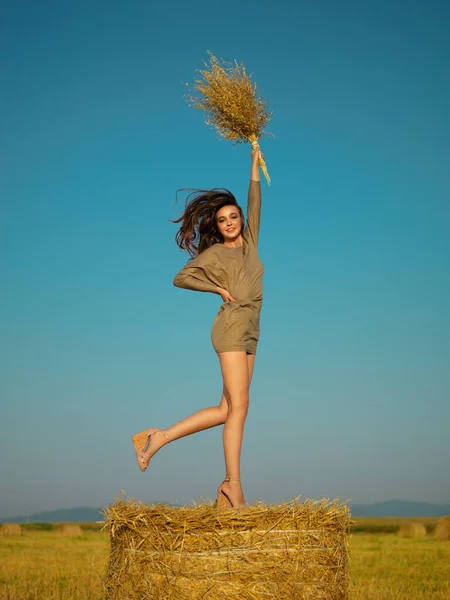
x,y
147,444
232,489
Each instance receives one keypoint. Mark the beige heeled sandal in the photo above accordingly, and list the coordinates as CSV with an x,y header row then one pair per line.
x,y
223,500
141,442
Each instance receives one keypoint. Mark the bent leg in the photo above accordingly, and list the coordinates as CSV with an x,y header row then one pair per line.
x,y
198,421
207,417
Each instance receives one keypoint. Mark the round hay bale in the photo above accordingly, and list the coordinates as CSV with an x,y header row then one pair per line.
x,y
69,530
10,530
285,551
442,531
412,529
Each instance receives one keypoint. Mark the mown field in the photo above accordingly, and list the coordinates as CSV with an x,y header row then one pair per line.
x,y
41,564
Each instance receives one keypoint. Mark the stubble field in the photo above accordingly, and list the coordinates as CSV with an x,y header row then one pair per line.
x,y
41,565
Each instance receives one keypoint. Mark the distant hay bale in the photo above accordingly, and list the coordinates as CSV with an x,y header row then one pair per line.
x,y
69,530
287,551
442,531
10,530
412,529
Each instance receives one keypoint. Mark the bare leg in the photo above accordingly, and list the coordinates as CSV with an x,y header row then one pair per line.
x,y
198,421
237,370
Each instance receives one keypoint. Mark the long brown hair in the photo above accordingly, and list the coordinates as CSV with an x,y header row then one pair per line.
x,y
198,229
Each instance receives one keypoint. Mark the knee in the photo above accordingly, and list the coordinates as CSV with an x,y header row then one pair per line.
x,y
239,405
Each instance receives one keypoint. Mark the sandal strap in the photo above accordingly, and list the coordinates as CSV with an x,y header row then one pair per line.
x,y
160,431
149,435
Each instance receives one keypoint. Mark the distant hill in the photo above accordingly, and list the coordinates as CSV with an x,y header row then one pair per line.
x,y
80,514
390,508
400,508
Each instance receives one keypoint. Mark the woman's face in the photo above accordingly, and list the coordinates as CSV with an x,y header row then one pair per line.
x,y
229,222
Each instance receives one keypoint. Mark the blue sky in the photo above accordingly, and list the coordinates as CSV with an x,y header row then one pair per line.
x,y
350,397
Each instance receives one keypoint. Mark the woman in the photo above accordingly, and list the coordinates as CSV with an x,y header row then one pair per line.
x,y
225,262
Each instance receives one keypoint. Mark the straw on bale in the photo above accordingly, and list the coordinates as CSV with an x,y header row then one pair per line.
x,y
231,102
442,531
10,530
69,530
412,529
288,551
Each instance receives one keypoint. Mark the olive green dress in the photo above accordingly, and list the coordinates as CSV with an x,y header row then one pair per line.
x,y
239,271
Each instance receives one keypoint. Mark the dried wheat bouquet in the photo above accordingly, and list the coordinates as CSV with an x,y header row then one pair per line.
x,y
231,102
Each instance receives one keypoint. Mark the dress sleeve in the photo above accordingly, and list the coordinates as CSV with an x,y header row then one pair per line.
x,y
253,211
197,275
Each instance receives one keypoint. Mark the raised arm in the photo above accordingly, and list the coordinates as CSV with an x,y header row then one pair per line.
x,y
255,165
254,200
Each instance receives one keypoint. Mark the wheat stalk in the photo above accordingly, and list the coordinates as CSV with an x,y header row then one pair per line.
x,y
231,102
